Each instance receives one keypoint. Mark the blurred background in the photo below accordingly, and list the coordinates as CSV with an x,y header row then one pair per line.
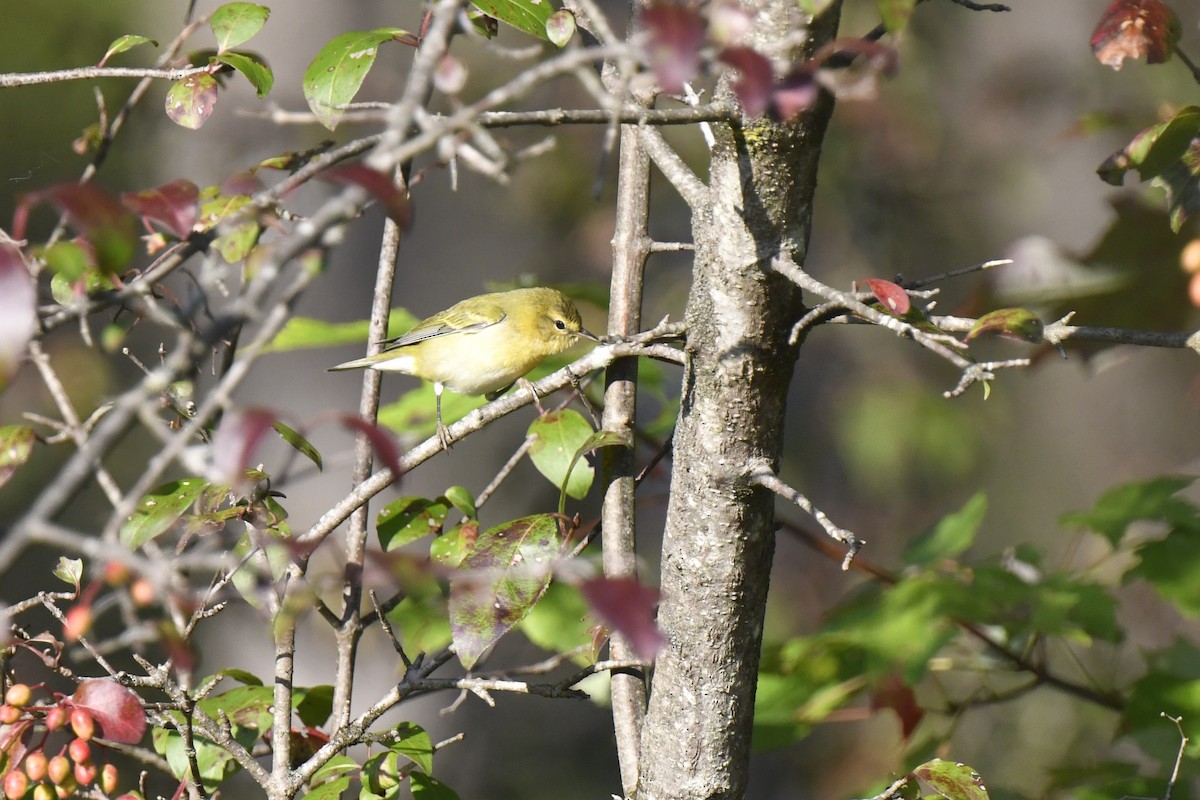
x,y
983,146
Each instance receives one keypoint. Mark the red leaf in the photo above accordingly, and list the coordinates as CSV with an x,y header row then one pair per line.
x,y
755,80
1135,28
380,186
673,50
104,222
117,710
174,205
893,298
794,95
381,442
18,309
236,441
627,607
893,693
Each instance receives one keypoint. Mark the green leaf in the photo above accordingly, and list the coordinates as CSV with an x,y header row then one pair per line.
x,y
245,706
452,547
299,443
415,413
16,445
338,765
302,333
903,626
409,519
427,787
336,74
215,764
461,498
412,742
895,13
123,43
952,780
69,570
331,789
560,623
313,704
1014,323
240,675
497,584
421,624
262,559
248,710
557,438
951,536
1171,685
253,67
236,23
160,509
560,27
191,99
529,16
1172,566
1181,182
1145,500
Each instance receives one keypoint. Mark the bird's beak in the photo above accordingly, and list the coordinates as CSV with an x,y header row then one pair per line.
x,y
586,334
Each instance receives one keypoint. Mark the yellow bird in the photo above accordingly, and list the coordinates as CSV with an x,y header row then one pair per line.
x,y
482,345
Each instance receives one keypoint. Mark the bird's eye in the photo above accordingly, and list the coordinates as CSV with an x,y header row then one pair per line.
x,y
558,323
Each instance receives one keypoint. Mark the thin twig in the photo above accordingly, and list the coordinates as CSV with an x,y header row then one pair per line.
x,y
762,474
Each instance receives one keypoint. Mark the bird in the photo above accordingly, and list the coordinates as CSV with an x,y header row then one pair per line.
x,y
482,345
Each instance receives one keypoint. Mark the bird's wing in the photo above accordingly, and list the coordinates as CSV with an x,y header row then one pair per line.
x,y
452,320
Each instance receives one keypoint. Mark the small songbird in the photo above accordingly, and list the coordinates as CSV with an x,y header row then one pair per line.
x,y
482,345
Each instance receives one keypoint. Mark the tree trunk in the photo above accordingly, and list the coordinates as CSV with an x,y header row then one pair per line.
x,y
719,535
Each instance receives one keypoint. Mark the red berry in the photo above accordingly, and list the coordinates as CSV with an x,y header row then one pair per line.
x,y
43,792
9,714
1189,257
56,717
142,592
35,765
79,751
116,573
15,784
19,695
83,724
79,619
59,769
85,774
108,778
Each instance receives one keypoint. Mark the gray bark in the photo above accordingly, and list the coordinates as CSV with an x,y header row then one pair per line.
x,y
719,535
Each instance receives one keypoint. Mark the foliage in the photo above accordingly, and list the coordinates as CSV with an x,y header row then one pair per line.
x,y
197,519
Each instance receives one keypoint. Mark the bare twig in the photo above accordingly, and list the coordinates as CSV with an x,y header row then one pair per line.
x,y
762,474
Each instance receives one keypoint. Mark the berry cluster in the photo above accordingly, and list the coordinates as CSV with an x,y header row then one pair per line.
x,y
29,770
